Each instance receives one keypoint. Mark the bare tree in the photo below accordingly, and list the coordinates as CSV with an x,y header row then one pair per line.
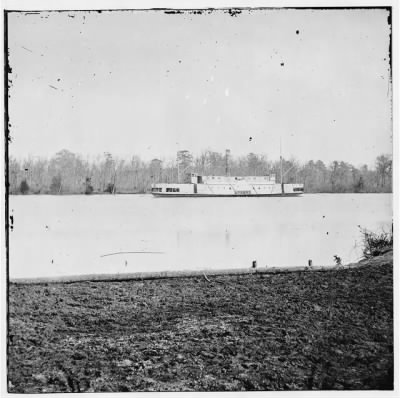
x,y
184,160
384,169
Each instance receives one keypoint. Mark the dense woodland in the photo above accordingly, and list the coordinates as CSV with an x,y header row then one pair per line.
x,y
69,173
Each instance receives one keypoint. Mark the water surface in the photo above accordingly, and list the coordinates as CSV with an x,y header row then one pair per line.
x,y
73,235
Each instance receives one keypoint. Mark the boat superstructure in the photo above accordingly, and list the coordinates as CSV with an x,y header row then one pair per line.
x,y
198,185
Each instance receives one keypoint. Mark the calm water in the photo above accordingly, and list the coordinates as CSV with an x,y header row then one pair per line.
x,y
70,235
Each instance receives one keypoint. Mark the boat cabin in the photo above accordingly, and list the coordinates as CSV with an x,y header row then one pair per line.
x,y
199,179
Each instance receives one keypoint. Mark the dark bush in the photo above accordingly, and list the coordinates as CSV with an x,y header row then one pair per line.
x,y
109,188
88,186
24,187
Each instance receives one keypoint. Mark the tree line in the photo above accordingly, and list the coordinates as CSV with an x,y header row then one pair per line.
x,y
69,173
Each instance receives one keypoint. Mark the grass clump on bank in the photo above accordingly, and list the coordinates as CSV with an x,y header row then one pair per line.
x,y
375,244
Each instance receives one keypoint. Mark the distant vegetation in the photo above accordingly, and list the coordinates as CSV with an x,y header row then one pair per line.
x,y
69,173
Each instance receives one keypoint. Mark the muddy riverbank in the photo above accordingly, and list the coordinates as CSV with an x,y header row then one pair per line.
x,y
297,331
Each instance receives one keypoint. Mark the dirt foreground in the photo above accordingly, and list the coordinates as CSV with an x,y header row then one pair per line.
x,y
298,331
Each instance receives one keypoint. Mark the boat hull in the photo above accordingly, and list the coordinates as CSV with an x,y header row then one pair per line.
x,y
196,195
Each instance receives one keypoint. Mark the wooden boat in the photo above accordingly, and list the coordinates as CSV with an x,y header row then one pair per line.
x,y
223,186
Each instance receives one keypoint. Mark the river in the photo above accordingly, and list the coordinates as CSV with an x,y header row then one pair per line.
x,y
74,235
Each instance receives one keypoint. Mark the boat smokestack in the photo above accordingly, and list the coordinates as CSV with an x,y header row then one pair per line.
x,y
227,156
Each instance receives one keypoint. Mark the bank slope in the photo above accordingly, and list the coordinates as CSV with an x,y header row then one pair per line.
x,y
297,331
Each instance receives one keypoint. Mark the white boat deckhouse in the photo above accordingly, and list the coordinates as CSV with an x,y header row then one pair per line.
x,y
203,186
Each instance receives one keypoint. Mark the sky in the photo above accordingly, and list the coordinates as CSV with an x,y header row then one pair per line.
x,y
149,83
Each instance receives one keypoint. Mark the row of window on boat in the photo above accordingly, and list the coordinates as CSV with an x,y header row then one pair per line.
x,y
167,190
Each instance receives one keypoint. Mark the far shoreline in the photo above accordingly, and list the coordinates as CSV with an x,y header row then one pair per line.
x,y
149,193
